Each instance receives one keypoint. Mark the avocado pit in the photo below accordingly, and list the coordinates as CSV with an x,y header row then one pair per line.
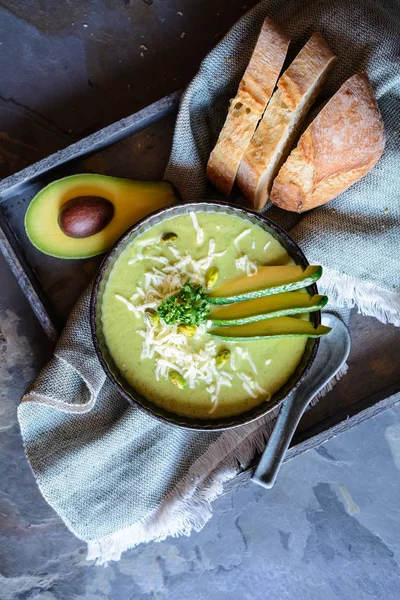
x,y
85,216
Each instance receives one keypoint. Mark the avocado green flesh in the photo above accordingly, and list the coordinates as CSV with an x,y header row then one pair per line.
x,y
269,307
268,281
132,200
275,359
273,328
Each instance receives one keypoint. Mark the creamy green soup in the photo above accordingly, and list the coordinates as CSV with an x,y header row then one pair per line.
x,y
147,271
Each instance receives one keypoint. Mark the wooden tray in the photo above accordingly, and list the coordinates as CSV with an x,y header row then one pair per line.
x,y
138,147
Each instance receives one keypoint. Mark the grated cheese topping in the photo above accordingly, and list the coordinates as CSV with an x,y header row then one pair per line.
x,y
198,229
131,307
251,386
160,259
244,355
144,245
172,350
267,245
240,237
243,263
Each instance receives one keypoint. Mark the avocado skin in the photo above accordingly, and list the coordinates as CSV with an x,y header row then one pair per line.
x,y
309,276
281,327
317,303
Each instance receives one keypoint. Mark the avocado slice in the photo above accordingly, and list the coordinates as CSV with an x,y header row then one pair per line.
x,y
278,305
267,281
110,206
272,328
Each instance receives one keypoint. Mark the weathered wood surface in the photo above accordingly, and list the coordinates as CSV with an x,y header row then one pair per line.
x,y
374,366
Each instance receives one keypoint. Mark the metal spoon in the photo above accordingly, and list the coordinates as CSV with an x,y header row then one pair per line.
x,y
332,354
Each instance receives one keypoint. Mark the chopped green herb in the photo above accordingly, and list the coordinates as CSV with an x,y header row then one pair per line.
x,y
189,306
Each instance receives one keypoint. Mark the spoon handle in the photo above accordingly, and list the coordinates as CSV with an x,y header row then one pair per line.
x,y
285,426
332,354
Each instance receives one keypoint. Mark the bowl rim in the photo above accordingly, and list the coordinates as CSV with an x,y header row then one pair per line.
x,y
151,408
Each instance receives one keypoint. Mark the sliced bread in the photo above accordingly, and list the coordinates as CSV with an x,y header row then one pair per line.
x,y
340,146
246,109
273,139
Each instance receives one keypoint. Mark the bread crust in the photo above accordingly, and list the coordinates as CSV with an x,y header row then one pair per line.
x,y
246,109
341,145
271,143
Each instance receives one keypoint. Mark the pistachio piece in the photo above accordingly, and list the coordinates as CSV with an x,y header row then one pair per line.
x,y
211,277
153,317
177,379
188,330
222,358
169,238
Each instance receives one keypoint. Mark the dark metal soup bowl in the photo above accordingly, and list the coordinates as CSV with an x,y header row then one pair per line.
x,y
107,362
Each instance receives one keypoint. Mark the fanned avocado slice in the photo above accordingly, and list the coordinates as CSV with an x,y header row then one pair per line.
x,y
84,215
278,305
267,281
271,328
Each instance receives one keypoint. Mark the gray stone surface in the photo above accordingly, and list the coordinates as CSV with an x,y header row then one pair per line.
x,y
330,528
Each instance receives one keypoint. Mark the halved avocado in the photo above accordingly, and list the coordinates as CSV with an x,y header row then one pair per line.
x,y
278,305
267,281
272,328
105,207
